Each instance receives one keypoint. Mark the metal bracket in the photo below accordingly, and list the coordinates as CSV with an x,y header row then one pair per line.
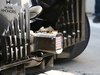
x,y
18,70
48,61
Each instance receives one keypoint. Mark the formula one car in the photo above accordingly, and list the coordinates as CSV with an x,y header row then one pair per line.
x,y
39,34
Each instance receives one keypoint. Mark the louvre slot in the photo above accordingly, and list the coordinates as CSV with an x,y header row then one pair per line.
x,y
16,39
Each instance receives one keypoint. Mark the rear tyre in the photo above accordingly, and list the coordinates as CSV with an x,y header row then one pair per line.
x,y
77,49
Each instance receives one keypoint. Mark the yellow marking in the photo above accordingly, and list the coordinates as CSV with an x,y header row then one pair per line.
x,y
45,3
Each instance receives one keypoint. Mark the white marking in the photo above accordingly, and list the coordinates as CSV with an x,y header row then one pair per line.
x,y
96,25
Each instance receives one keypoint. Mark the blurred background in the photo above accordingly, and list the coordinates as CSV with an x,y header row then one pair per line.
x,y
90,4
